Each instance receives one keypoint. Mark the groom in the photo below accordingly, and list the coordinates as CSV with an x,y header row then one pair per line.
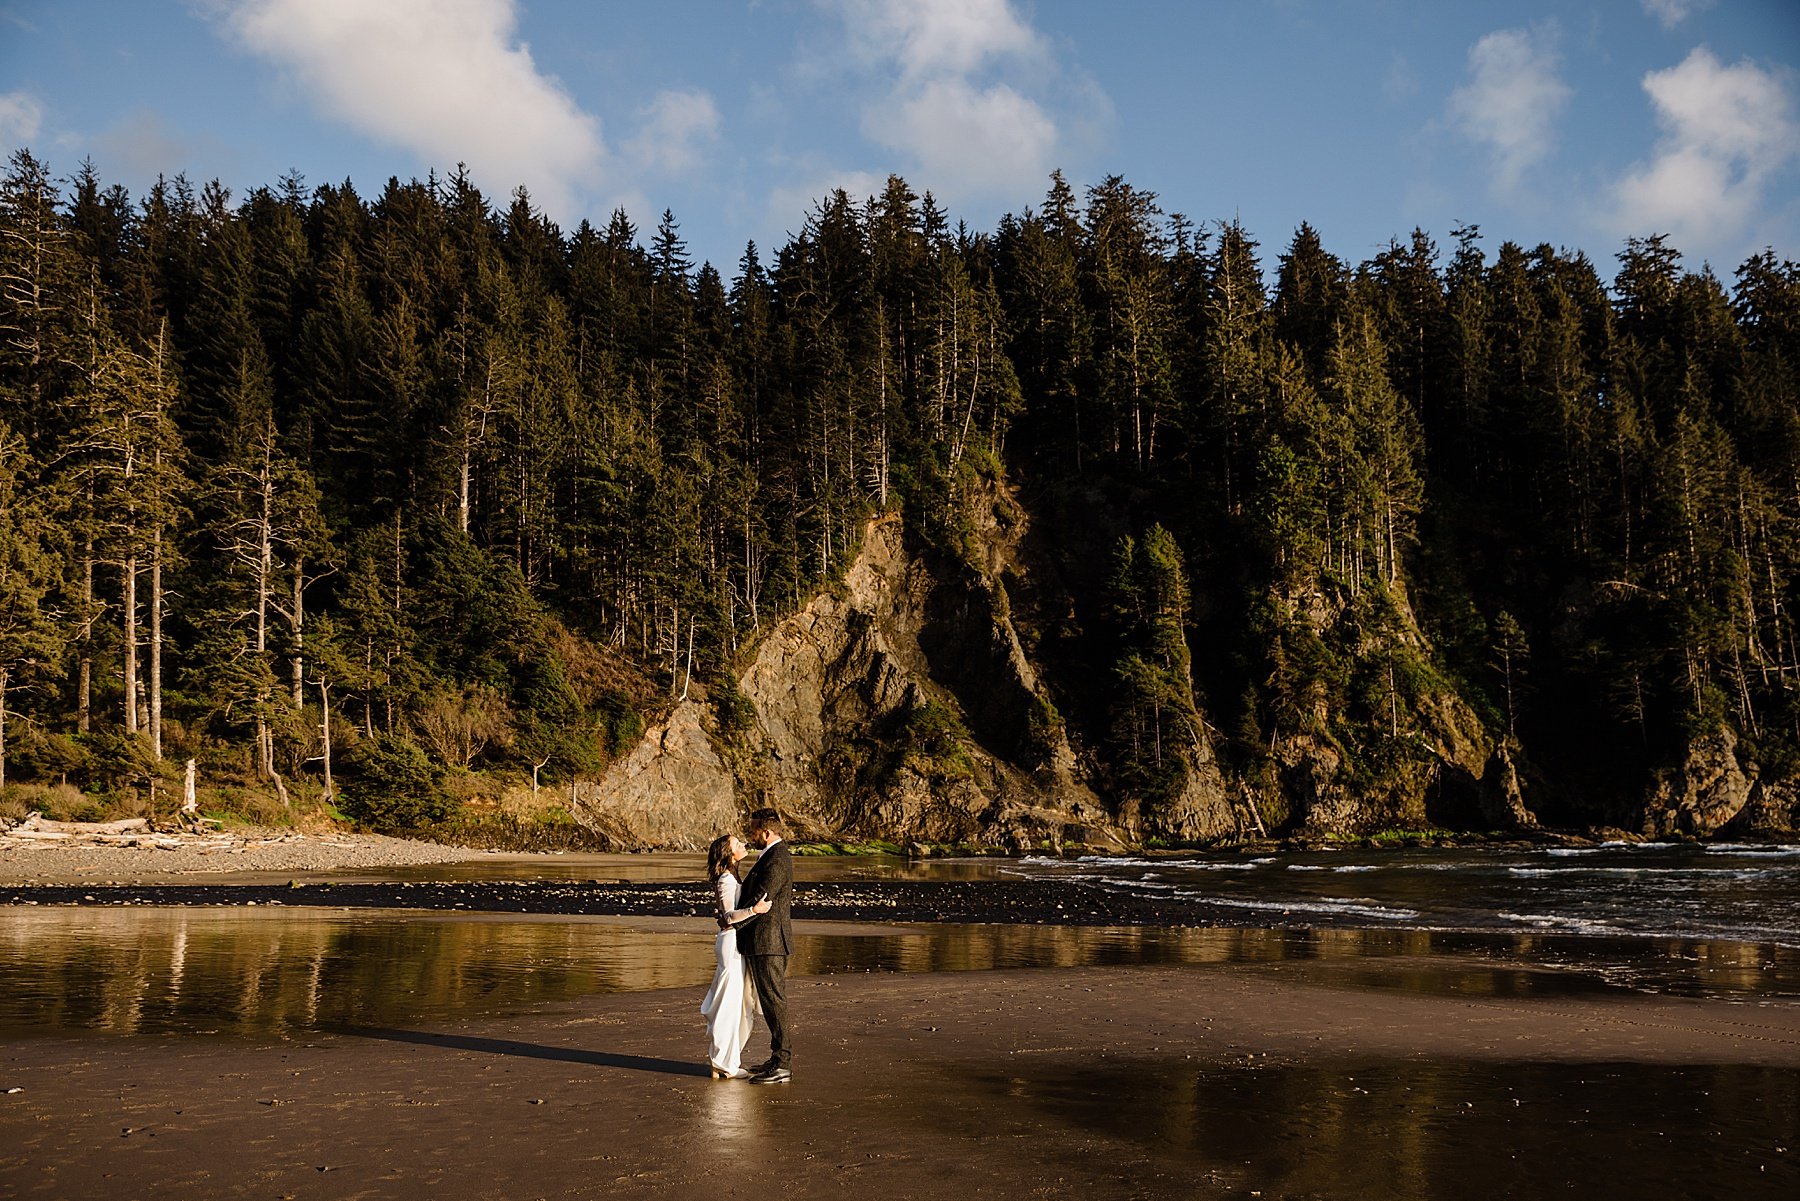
x,y
765,942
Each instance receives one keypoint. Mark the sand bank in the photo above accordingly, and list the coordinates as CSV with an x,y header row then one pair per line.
x,y
133,857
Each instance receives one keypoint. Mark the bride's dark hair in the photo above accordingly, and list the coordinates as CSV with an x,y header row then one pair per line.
x,y
718,857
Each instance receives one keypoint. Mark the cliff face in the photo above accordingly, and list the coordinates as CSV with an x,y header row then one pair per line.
x,y
900,705
903,704
1710,790
1454,764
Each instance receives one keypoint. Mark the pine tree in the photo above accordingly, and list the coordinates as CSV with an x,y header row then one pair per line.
x,y
30,635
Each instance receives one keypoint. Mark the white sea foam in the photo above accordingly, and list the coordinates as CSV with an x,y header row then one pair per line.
x,y
1698,873
1340,908
1205,865
1560,921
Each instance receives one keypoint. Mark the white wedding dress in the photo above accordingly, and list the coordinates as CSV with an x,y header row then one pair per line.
x,y
730,1005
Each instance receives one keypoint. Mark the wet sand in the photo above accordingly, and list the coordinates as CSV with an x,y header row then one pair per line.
x,y
1266,1080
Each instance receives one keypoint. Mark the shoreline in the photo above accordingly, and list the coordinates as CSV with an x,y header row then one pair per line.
x,y
145,858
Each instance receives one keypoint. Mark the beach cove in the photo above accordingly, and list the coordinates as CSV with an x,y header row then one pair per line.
x,y
343,1047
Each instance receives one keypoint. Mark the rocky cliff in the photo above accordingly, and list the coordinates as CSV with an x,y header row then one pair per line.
x,y
899,705
1453,770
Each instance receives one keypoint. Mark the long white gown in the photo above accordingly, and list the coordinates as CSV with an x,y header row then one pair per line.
x,y
730,1005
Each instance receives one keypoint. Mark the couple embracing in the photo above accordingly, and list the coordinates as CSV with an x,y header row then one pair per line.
x,y
755,932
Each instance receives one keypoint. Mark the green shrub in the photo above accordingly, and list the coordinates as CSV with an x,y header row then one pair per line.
x,y
736,712
392,786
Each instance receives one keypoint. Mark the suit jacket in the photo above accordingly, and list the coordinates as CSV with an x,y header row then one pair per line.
x,y
773,876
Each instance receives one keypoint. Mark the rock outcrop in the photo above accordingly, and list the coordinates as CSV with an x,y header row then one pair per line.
x,y
673,791
899,705
1706,793
1454,754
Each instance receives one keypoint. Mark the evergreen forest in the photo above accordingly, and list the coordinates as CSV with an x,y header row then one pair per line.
x,y
379,508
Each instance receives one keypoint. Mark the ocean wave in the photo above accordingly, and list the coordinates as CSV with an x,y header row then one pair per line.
x,y
1698,873
1612,846
1330,867
1562,921
1335,908
1201,865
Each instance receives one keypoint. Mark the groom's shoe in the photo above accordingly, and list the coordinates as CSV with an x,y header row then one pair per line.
x,y
772,1075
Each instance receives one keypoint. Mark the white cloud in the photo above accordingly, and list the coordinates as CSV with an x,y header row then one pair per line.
x,y
143,145
1726,131
985,139
1673,12
790,204
1512,100
966,92
21,118
938,37
447,80
673,131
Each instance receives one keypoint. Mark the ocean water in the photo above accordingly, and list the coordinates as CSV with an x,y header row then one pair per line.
x,y
1738,892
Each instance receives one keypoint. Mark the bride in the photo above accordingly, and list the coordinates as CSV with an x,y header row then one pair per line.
x,y
730,1003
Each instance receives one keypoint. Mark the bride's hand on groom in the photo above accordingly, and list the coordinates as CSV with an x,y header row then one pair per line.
x,y
762,906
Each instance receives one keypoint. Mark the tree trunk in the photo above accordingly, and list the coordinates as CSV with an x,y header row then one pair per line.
x,y
85,684
128,600
325,733
5,679
156,564
462,495
156,642
299,664
265,572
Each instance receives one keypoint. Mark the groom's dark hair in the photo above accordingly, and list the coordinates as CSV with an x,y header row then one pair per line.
x,y
767,819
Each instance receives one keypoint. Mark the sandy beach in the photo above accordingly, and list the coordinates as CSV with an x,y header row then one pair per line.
x,y
158,858
1267,1080
1262,1065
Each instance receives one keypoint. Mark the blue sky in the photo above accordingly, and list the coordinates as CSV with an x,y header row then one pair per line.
x,y
1569,123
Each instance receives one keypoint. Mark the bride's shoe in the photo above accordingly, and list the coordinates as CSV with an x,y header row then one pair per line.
x,y
719,1073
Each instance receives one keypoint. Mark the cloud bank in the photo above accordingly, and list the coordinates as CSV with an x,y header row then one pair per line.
x,y
21,117
1726,130
1512,100
446,80
1673,12
966,94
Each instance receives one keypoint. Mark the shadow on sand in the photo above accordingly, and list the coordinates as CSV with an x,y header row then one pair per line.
x,y
503,1046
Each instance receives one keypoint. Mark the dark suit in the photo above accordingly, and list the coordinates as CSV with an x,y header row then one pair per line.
x,y
765,942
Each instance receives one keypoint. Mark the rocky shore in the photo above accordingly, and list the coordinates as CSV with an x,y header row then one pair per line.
x,y
1009,901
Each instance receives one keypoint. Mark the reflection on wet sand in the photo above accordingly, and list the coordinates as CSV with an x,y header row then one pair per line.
x,y
175,971
1444,1128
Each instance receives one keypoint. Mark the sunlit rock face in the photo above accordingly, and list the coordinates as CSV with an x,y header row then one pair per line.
x,y
901,704
898,705
1707,792
673,791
